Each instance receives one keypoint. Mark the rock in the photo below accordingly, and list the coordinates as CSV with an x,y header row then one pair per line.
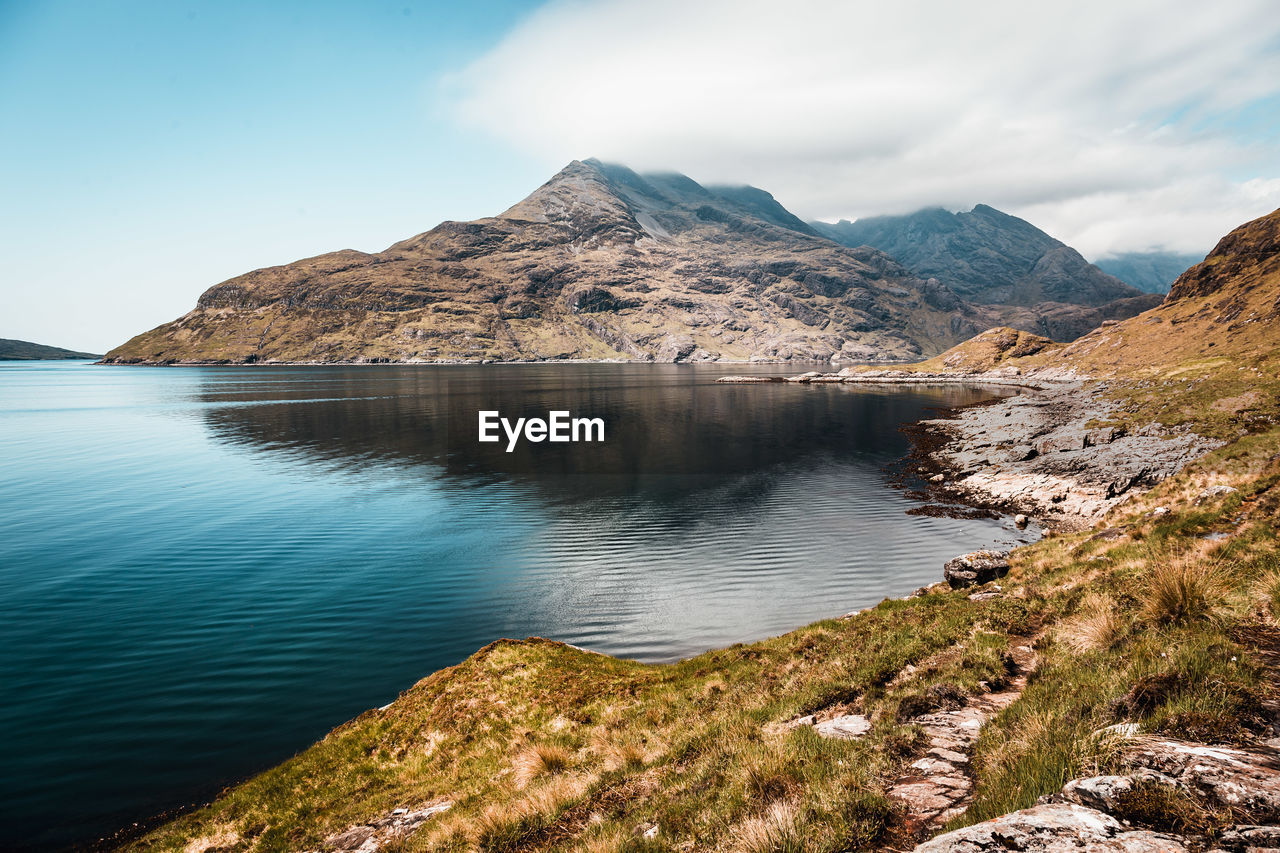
x,y
1159,512
1097,792
988,595
1061,442
937,478
847,727
1019,521
1214,492
369,837
1051,828
977,567
1243,837
1247,781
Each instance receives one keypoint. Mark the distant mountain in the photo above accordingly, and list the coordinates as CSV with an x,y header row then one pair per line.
x,y
11,350
991,258
598,263
1151,272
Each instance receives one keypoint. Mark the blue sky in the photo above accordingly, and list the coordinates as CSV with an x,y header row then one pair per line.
x,y
151,149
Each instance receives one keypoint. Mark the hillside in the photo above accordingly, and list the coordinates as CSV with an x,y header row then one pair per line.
x,y
13,350
1150,272
991,258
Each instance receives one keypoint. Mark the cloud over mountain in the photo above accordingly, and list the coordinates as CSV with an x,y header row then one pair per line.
x,y
1116,126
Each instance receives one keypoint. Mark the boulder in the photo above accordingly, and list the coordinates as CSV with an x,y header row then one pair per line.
x,y
977,567
848,727
1246,781
1051,828
1214,492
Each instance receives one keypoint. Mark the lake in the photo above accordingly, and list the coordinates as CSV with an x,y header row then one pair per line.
x,y
206,569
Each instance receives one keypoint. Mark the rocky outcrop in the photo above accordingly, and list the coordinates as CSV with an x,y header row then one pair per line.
x,y
1099,812
1052,828
1040,453
391,829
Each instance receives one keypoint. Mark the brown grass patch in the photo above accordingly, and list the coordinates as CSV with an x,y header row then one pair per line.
x,y
540,760
1096,625
1184,589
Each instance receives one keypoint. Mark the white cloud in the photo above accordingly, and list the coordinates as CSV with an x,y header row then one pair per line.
x,y
1109,124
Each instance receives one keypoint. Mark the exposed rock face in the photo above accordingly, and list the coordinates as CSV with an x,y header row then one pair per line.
x,y
1150,272
978,567
988,257
1037,453
598,263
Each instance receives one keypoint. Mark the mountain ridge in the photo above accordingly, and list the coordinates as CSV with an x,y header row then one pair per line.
x,y
598,263
986,256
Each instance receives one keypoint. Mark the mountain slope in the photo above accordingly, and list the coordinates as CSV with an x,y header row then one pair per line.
x,y
598,263
1150,272
1221,316
991,258
14,350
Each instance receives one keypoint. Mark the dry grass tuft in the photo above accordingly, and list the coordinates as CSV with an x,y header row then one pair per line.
x,y
1096,625
1184,589
512,826
629,753
540,760
1267,588
778,830
224,836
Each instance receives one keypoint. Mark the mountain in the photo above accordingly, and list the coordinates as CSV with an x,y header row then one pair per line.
x,y
598,263
1220,317
603,263
991,258
12,350
1150,272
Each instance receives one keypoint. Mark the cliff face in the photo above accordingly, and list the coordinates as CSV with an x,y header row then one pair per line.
x,y
597,263
991,258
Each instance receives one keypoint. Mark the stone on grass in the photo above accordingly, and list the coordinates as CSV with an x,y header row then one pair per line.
x,y
977,567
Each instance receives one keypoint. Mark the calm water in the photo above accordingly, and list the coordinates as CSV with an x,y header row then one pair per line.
x,y
206,569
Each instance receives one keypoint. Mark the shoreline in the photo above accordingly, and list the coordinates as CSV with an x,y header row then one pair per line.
x,y
1046,452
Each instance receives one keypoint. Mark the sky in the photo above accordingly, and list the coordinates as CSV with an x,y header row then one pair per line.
x,y
152,149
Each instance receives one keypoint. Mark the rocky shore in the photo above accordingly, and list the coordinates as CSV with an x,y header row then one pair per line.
x,y
1048,452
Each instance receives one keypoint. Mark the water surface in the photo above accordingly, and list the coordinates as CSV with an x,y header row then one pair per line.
x,y
205,569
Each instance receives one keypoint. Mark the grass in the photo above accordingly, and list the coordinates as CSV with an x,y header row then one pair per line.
x,y
1183,589
541,746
